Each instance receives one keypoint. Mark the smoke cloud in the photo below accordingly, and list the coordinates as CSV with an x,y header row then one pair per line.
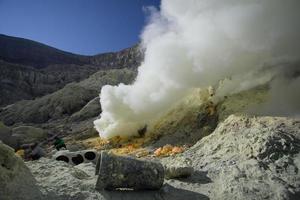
x,y
197,43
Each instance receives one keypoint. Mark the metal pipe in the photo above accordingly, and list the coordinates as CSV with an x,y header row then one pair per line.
x,y
77,157
117,172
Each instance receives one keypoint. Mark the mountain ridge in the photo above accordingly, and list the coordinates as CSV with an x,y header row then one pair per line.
x,y
30,69
29,52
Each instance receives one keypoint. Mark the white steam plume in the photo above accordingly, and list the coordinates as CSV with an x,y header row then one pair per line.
x,y
196,43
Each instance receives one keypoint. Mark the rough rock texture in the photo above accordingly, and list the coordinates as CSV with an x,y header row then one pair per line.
x,y
186,122
91,109
247,158
5,131
5,135
61,181
64,102
30,69
23,82
126,58
28,134
243,102
16,181
195,117
244,158
31,53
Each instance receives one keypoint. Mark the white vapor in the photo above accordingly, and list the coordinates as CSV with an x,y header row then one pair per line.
x,y
196,43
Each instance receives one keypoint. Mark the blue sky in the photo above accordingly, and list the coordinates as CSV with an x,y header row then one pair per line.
x,y
80,26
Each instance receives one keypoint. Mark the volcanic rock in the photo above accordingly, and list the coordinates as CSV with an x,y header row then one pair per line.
x,y
16,181
248,158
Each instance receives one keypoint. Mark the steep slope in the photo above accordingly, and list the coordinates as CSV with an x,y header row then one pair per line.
x,y
196,116
66,101
19,82
28,52
129,58
246,158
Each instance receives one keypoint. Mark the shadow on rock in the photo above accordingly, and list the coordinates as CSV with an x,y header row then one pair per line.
x,y
294,196
167,192
197,177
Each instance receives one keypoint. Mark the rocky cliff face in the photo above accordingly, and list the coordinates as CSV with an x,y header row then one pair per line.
x,y
29,69
64,102
30,53
130,58
18,82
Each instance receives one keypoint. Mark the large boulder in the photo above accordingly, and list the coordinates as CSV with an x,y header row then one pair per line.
x,y
91,109
6,136
16,181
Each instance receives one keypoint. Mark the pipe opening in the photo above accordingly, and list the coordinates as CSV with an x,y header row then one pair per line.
x,y
90,155
77,159
63,158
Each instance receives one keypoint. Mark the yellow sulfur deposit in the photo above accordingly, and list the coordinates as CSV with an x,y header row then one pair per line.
x,y
20,153
168,150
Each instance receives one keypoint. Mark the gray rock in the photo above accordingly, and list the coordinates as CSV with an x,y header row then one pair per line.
x,y
177,167
250,158
91,109
66,101
16,181
64,182
28,134
127,172
6,136
29,69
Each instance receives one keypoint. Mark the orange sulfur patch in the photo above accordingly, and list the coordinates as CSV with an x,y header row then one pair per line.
x,y
168,150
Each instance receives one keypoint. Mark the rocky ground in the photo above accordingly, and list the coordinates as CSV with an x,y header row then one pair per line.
x,y
244,158
247,158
